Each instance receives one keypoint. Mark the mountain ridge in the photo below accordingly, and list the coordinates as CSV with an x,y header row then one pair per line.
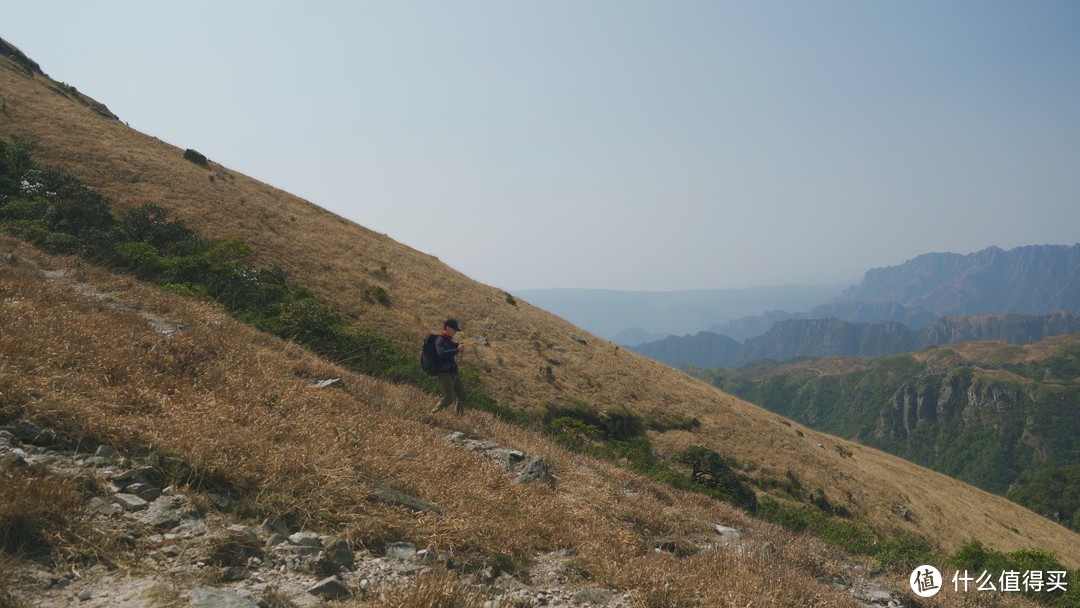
x,y
793,338
532,358
1033,279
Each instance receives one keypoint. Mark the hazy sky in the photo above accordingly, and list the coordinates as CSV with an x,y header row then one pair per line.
x,y
615,144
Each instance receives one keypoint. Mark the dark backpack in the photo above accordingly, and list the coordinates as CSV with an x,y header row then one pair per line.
x,y
429,357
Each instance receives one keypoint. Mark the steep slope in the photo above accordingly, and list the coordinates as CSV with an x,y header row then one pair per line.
x,y
231,418
532,358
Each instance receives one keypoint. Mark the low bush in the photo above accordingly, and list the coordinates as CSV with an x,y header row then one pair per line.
x,y
977,560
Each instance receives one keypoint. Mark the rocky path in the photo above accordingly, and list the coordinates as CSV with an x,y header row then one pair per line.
x,y
189,556
186,556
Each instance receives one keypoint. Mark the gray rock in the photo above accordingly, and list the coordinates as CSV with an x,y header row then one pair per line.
x,y
381,493
192,527
870,592
163,513
195,157
126,475
129,502
535,470
728,533
100,506
306,539
427,555
27,432
211,597
14,457
579,340
330,589
331,383
105,451
401,550
275,525
339,554
144,491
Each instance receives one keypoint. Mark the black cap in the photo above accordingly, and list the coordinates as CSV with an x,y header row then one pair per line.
x,y
452,324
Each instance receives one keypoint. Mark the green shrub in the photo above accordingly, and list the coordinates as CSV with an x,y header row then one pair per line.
x,y
975,558
23,209
140,258
573,433
708,469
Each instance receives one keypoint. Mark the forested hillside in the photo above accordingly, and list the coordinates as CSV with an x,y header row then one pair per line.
x,y
1005,418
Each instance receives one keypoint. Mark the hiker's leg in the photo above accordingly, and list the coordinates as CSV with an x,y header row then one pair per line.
x,y
446,381
459,389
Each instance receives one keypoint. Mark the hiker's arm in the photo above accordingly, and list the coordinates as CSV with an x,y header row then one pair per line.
x,y
446,348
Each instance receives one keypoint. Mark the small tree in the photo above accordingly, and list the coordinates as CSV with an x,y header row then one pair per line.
x,y
707,468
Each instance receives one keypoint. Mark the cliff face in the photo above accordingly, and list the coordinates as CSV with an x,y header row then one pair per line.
x,y
1037,279
990,423
1012,328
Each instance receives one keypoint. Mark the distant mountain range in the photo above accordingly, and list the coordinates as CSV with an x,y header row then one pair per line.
x,y
796,338
633,317
1035,280
1016,295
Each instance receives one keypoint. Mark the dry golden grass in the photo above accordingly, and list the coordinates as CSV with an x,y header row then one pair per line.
x,y
236,408
220,389
439,589
33,508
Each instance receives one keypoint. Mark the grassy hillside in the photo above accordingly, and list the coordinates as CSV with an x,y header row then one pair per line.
x,y
233,403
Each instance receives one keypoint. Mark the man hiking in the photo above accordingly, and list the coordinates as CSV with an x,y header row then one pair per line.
x,y
449,374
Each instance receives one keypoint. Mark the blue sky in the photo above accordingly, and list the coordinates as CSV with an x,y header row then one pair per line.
x,y
615,144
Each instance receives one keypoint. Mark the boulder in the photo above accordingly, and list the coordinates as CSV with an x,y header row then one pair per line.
x,y
195,157
129,502
306,539
330,589
338,553
163,513
535,470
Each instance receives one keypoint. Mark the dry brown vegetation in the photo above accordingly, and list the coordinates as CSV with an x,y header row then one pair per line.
x,y
228,409
232,408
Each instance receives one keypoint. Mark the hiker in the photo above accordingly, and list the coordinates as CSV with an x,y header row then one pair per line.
x,y
449,374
